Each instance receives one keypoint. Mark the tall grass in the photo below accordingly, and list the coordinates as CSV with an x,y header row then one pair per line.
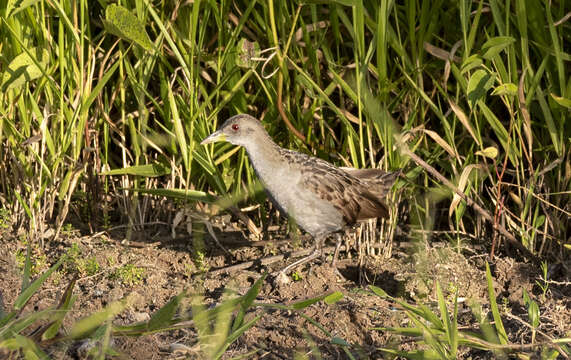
x,y
102,103
479,90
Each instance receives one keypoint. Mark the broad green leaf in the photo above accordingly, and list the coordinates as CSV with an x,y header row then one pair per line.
x,y
533,313
495,45
247,51
505,89
85,326
247,301
24,68
470,63
480,82
489,152
333,298
148,170
121,22
164,315
562,101
339,341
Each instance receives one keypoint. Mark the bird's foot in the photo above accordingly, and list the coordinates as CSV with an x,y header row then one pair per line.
x,y
315,254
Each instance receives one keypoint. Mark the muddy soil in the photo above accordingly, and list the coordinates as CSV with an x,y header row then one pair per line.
x,y
156,267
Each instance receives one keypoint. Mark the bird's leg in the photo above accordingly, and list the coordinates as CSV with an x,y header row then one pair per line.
x,y
315,254
337,247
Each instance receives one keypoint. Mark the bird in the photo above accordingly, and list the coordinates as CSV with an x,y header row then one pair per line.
x,y
322,198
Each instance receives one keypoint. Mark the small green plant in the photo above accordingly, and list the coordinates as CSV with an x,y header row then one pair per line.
x,y
543,284
201,262
74,261
111,261
439,334
5,218
296,276
71,258
129,274
188,269
88,267
532,314
67,229
38,260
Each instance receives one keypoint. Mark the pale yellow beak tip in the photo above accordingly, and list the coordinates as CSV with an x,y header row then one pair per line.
x,y
214,137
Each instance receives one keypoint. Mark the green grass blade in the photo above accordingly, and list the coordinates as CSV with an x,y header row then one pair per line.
x,y
25,296
494,306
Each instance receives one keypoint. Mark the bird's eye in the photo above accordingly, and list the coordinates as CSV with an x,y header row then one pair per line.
x,y
235,127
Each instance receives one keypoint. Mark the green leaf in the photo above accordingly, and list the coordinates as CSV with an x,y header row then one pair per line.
x,y
505,89
15,6
235,335
333,298
480,82
489,152
378,291
533,313
121,22
247,301
148,170
164,315
179,129
564,102
305,303
495,45
27,345
87,325
339,341
22,300
68,299
25,67
494,306
470,63
182,194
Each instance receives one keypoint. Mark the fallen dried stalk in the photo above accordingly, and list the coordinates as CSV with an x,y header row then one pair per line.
x,y
511,239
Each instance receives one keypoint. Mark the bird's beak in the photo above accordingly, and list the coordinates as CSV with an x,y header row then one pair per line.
x,y
214,137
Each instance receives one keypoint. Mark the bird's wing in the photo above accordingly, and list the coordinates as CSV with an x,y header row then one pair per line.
x,y
345,192
378,181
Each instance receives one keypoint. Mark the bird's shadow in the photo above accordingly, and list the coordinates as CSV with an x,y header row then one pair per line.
x,y
364,276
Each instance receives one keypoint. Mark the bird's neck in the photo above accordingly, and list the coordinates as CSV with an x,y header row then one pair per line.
x,y
264,155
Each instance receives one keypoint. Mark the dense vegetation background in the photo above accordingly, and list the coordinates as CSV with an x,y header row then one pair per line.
x,y
100,98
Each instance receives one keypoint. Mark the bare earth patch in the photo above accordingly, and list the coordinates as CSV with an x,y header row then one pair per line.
x,y
156,269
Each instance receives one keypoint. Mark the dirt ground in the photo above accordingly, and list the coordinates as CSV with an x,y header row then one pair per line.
x,y
157,267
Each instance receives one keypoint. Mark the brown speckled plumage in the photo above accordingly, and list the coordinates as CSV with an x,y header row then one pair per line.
x,y
321,197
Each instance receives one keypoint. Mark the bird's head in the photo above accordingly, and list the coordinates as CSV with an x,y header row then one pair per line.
x,y
238,130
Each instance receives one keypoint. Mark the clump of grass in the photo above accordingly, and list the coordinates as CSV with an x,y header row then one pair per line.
x,y
364,85
76,262
129,274
37,258
439,335
28,334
